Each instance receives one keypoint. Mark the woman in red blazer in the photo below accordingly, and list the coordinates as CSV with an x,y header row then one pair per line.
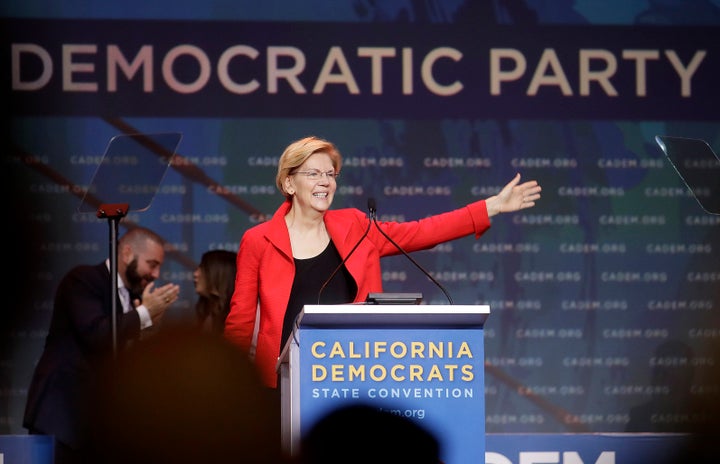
x,y
284,263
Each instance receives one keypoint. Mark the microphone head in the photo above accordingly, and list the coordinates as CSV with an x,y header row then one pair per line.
x,y
371,205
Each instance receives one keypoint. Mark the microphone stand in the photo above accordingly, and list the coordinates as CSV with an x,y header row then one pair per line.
x,y
373,219
325,284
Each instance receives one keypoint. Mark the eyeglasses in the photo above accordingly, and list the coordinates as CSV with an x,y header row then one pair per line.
x,y
315,174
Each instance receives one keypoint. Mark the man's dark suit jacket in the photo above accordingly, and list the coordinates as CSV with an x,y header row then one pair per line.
x,y
79,338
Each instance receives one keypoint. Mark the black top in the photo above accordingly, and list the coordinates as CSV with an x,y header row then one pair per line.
x,y
310,275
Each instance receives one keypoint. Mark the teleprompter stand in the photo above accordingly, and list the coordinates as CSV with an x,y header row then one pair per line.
x,y
129,174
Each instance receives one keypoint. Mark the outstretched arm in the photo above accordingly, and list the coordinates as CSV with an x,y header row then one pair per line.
x,y
514,197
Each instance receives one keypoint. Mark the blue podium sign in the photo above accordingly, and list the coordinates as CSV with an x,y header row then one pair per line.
x,y
27,449
423,362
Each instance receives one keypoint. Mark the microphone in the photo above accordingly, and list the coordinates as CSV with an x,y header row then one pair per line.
x,y
335,271
373,219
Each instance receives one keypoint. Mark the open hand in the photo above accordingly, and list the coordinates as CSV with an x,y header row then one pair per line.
x,y
514,197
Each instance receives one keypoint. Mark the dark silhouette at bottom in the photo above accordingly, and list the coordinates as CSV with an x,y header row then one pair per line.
x,y
360,433
184,397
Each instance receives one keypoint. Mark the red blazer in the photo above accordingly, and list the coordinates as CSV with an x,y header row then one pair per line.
x,y
266,268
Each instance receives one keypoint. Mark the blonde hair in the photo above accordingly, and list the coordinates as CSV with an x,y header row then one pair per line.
x,y
298,152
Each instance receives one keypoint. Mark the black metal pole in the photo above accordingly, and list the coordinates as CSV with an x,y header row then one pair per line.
x,y
113,213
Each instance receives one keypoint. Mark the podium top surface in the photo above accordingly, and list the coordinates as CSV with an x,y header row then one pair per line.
x,y
359,315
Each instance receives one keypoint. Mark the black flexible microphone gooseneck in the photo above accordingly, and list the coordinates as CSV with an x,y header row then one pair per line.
x,y
373,218
325,284
372,207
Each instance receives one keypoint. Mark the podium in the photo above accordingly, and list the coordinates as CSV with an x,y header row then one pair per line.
x,y
424,362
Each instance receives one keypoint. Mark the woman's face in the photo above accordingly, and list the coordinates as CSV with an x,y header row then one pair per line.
x,y
314,182
199,280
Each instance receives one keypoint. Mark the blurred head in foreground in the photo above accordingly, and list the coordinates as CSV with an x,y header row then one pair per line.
x,y
360,433
184,397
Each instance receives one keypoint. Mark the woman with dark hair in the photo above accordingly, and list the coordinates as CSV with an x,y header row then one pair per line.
x,y
214,282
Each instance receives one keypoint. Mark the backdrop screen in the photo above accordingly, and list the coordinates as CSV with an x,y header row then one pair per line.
x,y
605,288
